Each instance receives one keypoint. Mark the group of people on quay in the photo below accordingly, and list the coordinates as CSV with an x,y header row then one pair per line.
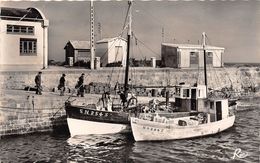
x,y
79,86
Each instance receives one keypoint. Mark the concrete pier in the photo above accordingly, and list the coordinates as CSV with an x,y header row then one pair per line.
x,y
23,112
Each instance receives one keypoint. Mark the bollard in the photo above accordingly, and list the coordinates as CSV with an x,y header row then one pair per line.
x,y
153,60
97,63
167,98
70,61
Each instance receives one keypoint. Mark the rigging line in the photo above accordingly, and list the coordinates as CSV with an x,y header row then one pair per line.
x,y
198,74
68,99
121,33
126,17
216,79
119,36
147,47
212,68
138,47
229,78
140,51
148,14
115,60
198,77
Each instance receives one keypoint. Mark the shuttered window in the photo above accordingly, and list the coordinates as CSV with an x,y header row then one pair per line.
x,y
28,47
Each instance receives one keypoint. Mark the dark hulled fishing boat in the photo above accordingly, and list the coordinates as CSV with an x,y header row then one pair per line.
x,y
84,120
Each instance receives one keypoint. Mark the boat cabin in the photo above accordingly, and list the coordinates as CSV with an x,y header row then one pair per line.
x,y
194,99
190,98
218,109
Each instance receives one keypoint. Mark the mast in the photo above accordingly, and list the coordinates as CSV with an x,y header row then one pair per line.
x,y
205,61
92,43
128,48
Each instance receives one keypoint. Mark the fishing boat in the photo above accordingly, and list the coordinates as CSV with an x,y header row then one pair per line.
x,y
109,118
205,116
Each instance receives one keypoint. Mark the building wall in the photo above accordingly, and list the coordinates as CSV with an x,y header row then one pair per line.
x,y
82,55
112,52
181,57
169,56
217,58
101,51
10,45
184,58
107,52
201,58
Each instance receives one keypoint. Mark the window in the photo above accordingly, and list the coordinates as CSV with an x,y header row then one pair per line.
x,y
186,92
194,57
211,105
118,53
19,29
178,91
28,47
209,57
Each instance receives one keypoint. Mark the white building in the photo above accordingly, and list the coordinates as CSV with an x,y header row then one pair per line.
x,y
23,38
111,50
190,56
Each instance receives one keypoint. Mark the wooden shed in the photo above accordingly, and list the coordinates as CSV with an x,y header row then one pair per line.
x,y
111,50
190,56
77,51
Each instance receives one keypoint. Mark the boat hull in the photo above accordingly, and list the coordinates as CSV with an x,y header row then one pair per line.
x,y
84,127
86,120
144,130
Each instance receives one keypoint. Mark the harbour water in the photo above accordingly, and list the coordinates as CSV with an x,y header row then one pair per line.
x,y
237,144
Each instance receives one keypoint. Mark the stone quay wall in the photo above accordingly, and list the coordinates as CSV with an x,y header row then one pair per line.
x,y
240,78
23,112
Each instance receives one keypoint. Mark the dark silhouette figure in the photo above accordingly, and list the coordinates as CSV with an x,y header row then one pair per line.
x,y
38,83
61,86
80,85
123,98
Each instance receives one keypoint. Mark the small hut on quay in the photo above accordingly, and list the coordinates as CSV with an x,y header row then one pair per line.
x,y
190,56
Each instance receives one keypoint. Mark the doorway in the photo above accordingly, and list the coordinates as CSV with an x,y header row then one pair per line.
x,y
218,110
193,100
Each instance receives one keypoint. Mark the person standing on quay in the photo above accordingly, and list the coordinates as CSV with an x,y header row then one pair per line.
x,y
38,83
61,86
80,85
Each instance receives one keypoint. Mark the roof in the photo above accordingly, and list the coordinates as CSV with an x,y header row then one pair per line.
x,y
76,44
193,46
105,40
29,14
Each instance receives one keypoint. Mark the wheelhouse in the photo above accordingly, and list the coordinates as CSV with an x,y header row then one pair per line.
x,y
190,98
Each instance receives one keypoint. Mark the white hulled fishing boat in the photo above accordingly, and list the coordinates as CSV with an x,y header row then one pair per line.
x,y
206,116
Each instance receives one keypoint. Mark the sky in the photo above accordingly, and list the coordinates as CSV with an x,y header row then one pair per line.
x,y
234,25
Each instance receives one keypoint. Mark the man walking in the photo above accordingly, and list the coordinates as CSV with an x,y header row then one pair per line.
x,y
61,86
38,83
80,85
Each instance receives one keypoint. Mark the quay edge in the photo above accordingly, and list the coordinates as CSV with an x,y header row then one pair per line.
x,y
19,115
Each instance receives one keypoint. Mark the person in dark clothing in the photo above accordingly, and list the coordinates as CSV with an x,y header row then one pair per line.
x,y
38,83
123,98
80,85
61,86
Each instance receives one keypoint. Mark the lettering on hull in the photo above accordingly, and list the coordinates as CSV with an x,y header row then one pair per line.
x,y
97,115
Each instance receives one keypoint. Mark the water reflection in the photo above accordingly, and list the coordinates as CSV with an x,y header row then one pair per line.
x,y
122,148
100,148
